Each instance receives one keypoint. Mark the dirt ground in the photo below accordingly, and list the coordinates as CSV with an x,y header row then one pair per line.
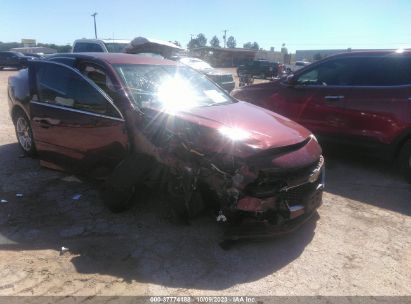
x,y
359,244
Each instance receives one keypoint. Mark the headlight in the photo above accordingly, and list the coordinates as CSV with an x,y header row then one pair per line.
x,y
234,133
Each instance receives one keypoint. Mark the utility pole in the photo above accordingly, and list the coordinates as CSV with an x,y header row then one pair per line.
x,y
224,37
95,26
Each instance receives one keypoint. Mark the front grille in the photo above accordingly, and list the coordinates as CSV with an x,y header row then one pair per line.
x,y
297,181
298,195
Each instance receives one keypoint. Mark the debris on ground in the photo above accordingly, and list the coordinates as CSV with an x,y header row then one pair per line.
x,y
63,250
76,197
221,217
71,179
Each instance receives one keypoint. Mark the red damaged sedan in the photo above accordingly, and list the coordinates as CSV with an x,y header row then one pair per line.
x,y
146,121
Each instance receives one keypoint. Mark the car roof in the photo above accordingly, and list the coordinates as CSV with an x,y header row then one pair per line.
x,y
102,40
375,53
119,58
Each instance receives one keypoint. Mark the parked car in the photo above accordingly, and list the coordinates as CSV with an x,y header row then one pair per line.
x,y
34,55
358,98
260,68
13,60
292,68
159,123
100,45
223,79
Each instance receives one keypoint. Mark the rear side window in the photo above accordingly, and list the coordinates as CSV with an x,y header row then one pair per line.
x,y
61,86
87,47
397,71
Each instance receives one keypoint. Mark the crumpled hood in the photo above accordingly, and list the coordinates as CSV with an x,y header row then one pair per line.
x,y
265,129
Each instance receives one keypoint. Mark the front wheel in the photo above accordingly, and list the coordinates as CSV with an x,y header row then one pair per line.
x,y
24,133
405,160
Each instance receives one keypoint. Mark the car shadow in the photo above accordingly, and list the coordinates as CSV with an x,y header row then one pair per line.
x,y
140,245
366,179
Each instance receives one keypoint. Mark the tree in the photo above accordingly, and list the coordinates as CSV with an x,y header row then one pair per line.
x,y
255,46
214,42
176,43
247,45
231,43
251,46
192,44
197,42
201,39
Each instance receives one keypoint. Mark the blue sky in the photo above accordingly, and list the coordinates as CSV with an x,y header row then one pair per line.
x,y
300,24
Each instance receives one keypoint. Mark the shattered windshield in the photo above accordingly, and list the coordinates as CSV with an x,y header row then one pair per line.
x,y
171,87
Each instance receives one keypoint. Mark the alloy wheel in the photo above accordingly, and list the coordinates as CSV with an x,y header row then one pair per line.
x,y
24,134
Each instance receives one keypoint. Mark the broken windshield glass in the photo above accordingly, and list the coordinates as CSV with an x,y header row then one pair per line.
x,y
171,87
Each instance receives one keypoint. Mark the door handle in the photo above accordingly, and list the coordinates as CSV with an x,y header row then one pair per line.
x,y
333,97
46,123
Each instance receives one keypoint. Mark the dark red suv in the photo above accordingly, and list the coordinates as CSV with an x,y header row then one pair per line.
x,y
357,98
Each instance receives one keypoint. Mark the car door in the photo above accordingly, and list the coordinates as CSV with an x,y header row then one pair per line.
x,y
377,106
315,98
3,59
75,124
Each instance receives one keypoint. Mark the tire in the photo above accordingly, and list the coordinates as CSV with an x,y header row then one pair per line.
x,y
405,160
117,199
24,133
1,68
127,179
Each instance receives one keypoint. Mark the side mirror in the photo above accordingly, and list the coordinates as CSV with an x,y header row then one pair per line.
x,y
290,80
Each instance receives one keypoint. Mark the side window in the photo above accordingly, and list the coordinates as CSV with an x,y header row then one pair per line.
x,y
397,71
99,77
87,47
61,86
336,73
308,78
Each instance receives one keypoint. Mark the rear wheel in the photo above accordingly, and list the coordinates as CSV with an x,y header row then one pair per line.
x,y
24,133
405,160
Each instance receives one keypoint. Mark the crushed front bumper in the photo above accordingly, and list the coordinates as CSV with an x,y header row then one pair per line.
x,y
301,204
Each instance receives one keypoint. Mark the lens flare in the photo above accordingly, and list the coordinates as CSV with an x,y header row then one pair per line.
x,y
234,133
176,94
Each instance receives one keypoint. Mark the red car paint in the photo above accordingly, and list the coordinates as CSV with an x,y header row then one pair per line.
x,y
277,153
377,115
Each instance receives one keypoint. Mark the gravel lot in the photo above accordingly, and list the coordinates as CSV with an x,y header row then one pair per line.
x,y
359,244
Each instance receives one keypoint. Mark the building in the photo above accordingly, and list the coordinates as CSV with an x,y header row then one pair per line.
x,y
34,50
232,57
